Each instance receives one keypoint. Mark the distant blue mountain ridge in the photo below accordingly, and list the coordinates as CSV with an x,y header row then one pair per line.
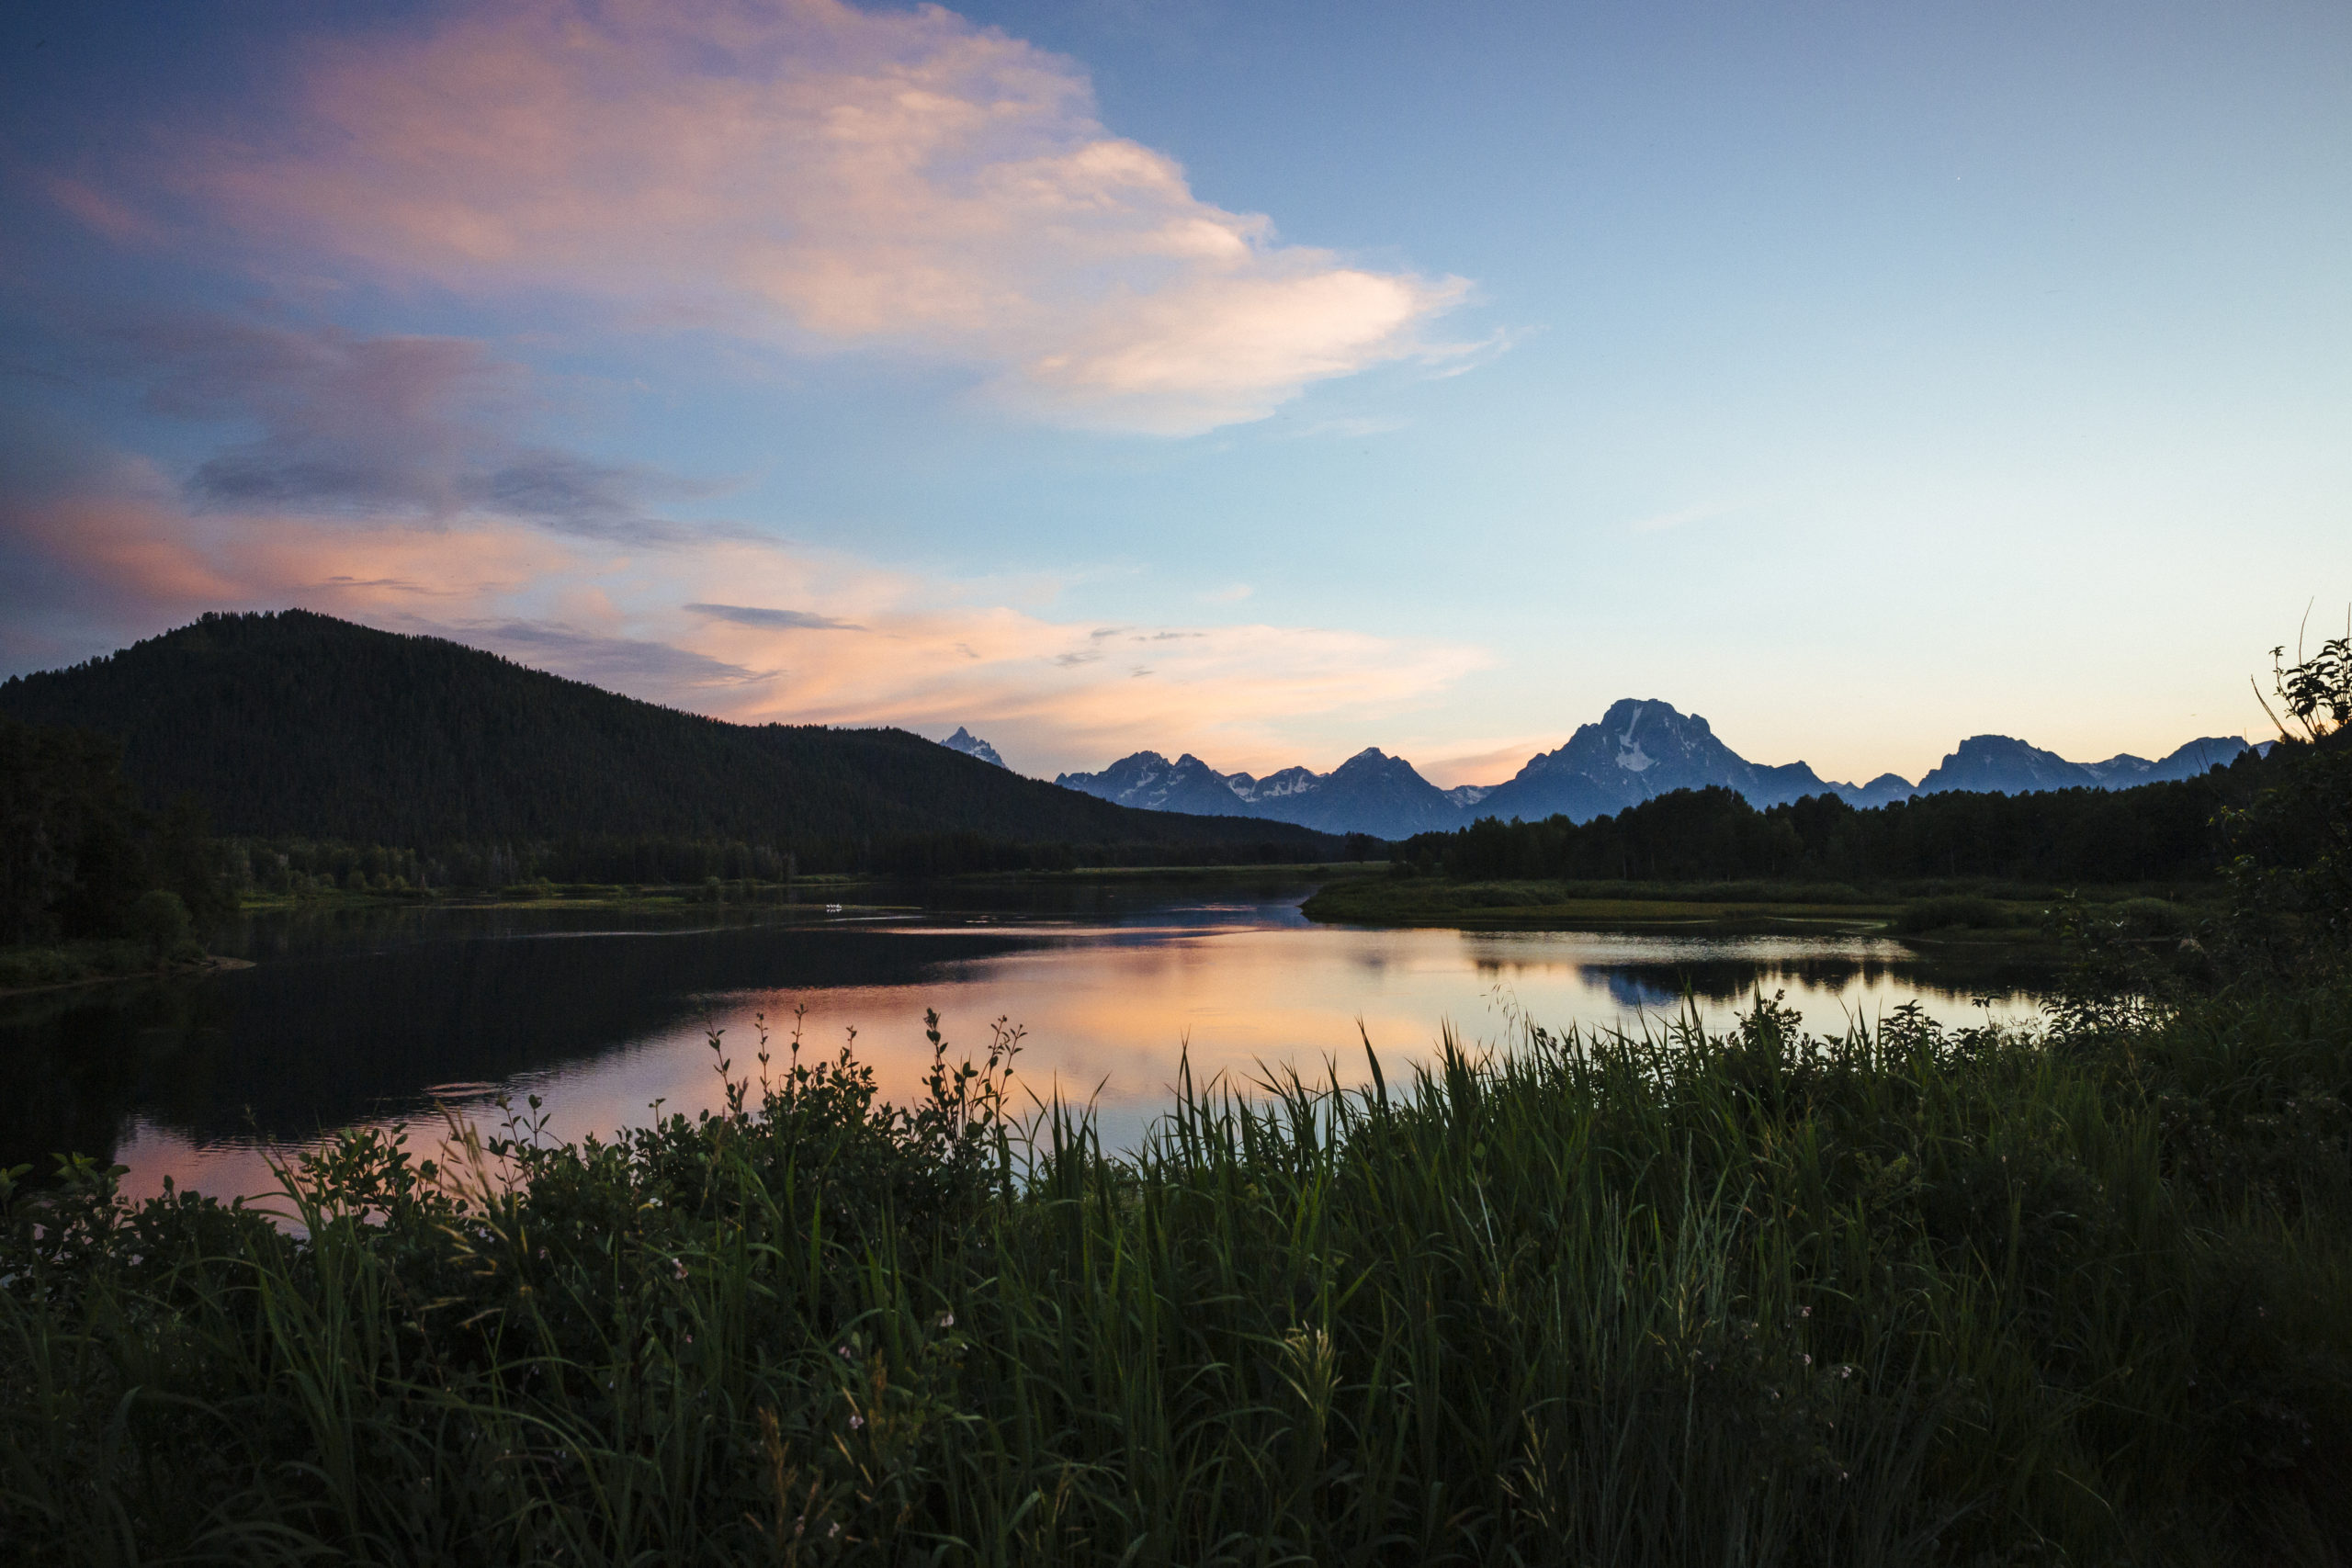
x,y
1639,749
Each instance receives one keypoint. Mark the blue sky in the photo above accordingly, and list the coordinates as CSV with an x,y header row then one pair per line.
x,y
1261,381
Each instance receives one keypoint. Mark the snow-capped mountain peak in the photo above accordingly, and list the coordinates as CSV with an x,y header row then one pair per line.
x,y
971,745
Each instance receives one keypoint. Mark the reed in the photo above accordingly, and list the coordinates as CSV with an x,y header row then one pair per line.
x,y
1902,1295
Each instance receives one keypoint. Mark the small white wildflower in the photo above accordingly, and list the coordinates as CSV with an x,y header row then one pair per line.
x,y
856,1421
834,1531
680,1265
1808,1361
843,1352
946,1320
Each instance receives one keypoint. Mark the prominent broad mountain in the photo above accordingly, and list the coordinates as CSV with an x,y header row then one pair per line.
x,y
1639,749
298,725
971,745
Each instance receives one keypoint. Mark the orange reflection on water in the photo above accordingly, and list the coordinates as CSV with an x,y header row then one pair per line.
x,y
1112,1013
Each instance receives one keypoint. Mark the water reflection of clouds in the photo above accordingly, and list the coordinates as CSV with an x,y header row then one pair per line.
x,y
605,1027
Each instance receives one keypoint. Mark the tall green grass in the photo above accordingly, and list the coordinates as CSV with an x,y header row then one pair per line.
x,y
1903,1295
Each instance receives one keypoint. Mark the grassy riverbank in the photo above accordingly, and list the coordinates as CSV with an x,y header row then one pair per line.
x,y
1986,1297
1995,915
806,893
24,969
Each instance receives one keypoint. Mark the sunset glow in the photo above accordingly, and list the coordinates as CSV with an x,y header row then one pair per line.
x,y
1266,388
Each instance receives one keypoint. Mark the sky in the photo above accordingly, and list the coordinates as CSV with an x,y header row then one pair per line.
x,y
1263,381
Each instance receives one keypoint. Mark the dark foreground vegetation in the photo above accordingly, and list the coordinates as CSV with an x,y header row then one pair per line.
x,y
2076,1296
92,883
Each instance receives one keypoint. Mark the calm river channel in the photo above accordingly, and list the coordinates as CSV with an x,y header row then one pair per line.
x,y
389,1015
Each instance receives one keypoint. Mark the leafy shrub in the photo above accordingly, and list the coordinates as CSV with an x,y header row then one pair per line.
x,y
160,921
2152,918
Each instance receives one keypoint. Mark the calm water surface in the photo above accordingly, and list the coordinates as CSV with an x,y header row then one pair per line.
x,y
384,1015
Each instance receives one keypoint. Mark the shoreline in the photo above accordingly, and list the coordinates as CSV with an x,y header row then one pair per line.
x,y
190,969
2004,926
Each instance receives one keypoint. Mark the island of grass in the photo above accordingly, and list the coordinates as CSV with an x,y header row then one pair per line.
x,y
1983,916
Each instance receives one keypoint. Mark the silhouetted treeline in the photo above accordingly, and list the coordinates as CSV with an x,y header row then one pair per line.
x,y
2154,832
300,727
76,849
300,865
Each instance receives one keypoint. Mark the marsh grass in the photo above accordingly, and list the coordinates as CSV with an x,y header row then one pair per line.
x,y
1903,1295
34,969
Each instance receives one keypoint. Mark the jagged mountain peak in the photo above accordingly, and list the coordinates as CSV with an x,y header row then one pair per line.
x,y
1373,759
971,745
1372,792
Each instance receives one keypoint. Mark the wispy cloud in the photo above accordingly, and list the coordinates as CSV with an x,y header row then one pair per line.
x,y
425,428
776,620
1487,764
121,552
623,663
806,171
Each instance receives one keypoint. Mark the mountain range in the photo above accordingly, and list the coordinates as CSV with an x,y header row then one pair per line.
x,y
1637,749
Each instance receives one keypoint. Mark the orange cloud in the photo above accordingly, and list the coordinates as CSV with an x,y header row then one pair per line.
x,y
743,629
808,172
141,548
1488,764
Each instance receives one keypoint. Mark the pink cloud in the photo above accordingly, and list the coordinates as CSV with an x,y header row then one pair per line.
x,y
106,213
1488,764
139,547
821,175
737,627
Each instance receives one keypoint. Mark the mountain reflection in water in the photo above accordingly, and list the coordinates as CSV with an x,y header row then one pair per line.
x,y
602,1013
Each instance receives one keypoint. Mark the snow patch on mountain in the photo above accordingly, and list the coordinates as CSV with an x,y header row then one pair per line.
x,y
971,745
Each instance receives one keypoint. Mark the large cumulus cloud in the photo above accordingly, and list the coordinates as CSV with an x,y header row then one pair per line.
x,y
805,171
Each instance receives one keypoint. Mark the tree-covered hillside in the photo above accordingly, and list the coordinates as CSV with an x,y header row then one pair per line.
x,y
297,724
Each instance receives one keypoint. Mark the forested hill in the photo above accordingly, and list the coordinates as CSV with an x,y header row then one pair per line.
x,y
298,724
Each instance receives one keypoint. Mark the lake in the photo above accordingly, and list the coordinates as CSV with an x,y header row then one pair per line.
x,y
383,1015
